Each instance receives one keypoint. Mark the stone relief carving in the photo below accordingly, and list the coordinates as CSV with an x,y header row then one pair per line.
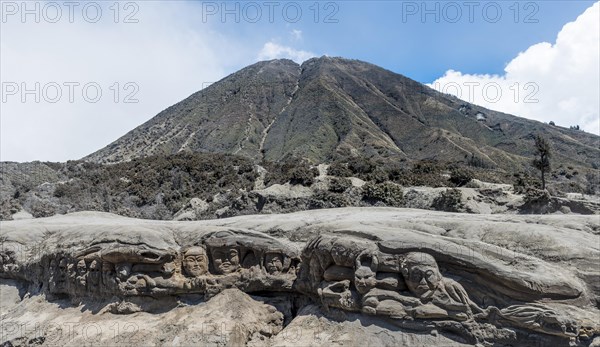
x,y
195,261
217,262
440,296
274,263
408,287
225,260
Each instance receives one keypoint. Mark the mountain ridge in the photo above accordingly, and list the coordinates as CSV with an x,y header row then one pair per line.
x,y
331,108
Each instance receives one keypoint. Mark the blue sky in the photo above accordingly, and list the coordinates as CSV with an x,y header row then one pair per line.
x,y
387,33
143,56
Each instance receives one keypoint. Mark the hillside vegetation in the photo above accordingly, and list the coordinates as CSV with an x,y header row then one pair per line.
x,y
204,185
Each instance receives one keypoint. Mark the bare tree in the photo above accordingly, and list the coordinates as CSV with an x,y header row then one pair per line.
x,y
542,159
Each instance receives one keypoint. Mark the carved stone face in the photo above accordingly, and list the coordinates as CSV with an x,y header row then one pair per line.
x,y
226,260
274,263
58,276
81,271
108,274
123,270
62,270
81,268
62,265
364,279
421,273
195,262
338,252
422,278
95,268
52,267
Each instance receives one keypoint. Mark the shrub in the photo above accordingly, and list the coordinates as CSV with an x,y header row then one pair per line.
x,y
41,208
475,161
426,167
325,199
461,176
360,166
379,175
533,195
524,182
542,158
339,169
389,193
339,184
449,200
60,190
427,173
302,175
396,173
133,186
293,170
8,207
422,173
593,182
536,201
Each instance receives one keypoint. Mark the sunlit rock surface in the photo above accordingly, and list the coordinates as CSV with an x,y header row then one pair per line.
x,y
352,276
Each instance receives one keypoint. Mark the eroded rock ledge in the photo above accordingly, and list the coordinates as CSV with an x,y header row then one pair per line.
x,y
384,276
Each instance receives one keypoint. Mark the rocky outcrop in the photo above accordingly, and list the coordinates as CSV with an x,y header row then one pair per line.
x,y
130,263
402,281
390,276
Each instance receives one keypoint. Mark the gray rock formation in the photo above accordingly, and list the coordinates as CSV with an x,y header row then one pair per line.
x,y
392,279
126,264
378,276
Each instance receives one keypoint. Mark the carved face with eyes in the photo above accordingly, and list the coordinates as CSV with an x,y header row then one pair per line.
x,y
195,261
273,263
58,278
364,279
108,273
52,267
81,268
62,269
226,260
94,274
123,270
421,273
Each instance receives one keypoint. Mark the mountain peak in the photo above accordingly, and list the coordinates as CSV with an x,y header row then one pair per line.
x,y
276,62
332,107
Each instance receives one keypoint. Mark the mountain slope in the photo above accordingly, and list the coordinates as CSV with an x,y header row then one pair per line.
x,y
230,116
331,107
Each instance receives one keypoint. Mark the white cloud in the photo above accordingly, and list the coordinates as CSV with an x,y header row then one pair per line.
x,y
547,82
296,34
168,54
272,50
